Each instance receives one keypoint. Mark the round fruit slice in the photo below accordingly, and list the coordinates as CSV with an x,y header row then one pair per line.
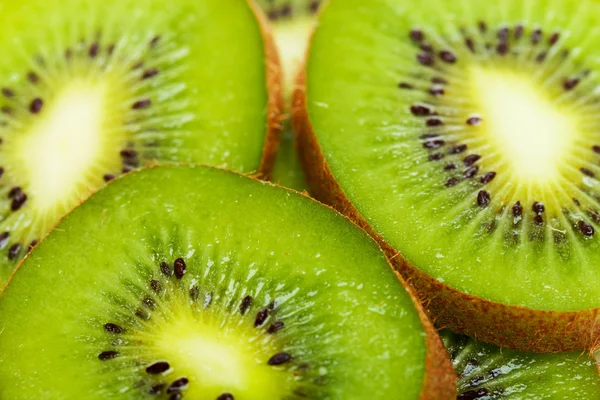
x,y
292,22
93,89
235,289
488,372
463,136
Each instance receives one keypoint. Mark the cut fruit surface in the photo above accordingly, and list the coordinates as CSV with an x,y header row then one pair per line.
x,y
464,136
235,287
487,372
93,89
293,22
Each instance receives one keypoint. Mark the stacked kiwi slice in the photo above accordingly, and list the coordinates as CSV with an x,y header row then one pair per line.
x,y
462,135
90,90
145,255
223,291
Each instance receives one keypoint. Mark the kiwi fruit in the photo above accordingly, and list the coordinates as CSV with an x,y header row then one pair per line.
x,y
292,22
487,372
193,282
92,89
462,136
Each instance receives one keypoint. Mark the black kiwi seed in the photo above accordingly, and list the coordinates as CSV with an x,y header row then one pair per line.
x,y
519,31
225,396
538,220
154,41
439,81
473,394
178,385
471,171
261,317
452,181
450,167
417,35
108,177
36,105
434,122
483,198
596,149
437,91
488,177
150,73
554,38
585,228
149,303
33,243
156,285
587,172
4,239
158,368
128,153
278,325
536,36
461,148
502,48
14,191
93,50
482,26
180,268
570,83
474,121
404,85
33,78
141,104
419,110
471,159
142,314
447,56
280,358
108,355
425,59
246,302
503,34
436,156
470,44
426,47
433,144
538,208
517,209
113,328
429,135
541,57
18,201
176,396
1,168
8,92
14,251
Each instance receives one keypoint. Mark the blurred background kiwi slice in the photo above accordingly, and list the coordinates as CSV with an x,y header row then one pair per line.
x,y
194,282
487,372
93,89
292,22
464,135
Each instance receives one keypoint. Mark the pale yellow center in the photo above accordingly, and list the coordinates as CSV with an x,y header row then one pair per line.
x,y
64,142
217,360
530,131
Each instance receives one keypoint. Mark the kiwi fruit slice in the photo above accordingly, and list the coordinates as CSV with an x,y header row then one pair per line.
x,y
487,372
218,287
93,89
462,136
292,22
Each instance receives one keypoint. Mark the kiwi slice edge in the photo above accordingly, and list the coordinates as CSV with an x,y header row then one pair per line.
x,y
513,326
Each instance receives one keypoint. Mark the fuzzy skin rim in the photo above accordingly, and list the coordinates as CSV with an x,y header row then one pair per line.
x,y
275,102
516,327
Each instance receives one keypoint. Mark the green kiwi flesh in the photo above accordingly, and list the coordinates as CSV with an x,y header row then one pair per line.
x,y
487,372
232,289
465,135
92,89
292,22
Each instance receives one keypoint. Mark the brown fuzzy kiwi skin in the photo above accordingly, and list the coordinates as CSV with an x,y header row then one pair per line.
x,y
515,327
439,379
275,103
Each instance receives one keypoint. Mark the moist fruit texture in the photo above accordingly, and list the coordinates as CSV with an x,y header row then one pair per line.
x,y
232,289
292,22
463,135
93,89
487,372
